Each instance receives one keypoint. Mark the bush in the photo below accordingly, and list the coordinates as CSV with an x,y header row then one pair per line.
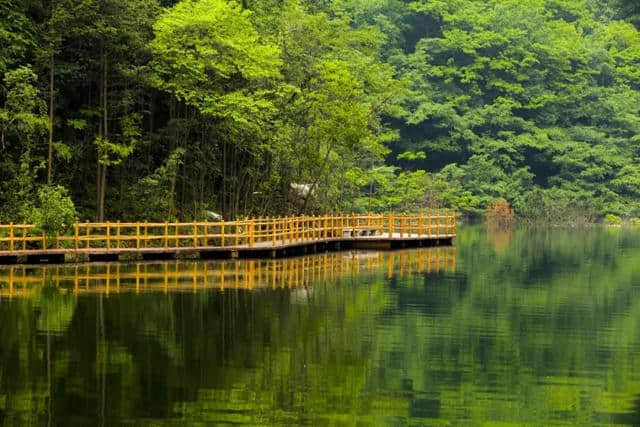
x,y
611,219
499,214
54,212
556,207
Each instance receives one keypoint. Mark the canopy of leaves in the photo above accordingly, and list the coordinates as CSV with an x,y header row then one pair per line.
x,y
375,105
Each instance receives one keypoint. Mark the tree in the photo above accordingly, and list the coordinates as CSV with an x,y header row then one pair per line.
x,y
22,124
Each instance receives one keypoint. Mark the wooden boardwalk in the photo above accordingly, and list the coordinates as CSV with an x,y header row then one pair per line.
x,y
261,237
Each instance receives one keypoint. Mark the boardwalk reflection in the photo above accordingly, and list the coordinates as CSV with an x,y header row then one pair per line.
x,y
183,276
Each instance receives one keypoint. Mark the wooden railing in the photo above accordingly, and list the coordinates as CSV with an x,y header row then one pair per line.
x,y
258,232
180,276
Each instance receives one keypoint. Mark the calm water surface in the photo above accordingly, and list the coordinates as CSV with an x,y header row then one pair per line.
x,y
522,328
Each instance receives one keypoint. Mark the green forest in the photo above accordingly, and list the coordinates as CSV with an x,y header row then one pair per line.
x,y
164,109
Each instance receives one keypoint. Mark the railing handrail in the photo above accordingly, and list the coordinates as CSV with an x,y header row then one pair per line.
x,y
247,232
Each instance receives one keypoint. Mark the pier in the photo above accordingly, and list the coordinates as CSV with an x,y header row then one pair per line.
x,y
248,238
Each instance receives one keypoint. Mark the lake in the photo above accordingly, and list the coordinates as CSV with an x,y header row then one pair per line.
x,y
522,327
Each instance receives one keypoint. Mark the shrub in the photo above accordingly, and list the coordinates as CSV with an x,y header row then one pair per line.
x,y
499,214
611,219
556,207
54,212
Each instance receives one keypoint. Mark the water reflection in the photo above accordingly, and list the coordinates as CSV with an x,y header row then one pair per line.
x,y
182,276
540,329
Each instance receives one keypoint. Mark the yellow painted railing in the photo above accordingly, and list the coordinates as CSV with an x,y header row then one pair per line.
x,y
257,232
179,276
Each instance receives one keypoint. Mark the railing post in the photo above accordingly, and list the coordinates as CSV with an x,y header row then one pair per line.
x,y
177,233
137,235
146,233
354,227
195,234
108,236
87,234
326,227
274,225
75,234
420,224
11,238
391,224
166,234
251,233
222,233
295,228
118,235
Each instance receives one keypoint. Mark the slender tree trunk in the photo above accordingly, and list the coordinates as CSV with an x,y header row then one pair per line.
x,y
100,135
105,131
51,113
172,186
224,179
317,179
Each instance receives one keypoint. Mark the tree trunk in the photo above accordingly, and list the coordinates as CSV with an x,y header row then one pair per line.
x,y
98,164
51,113
105,136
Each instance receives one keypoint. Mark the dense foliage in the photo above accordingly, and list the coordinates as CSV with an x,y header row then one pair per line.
x,y
162,109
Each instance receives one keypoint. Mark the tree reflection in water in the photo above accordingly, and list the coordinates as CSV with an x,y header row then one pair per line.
x,y
541,329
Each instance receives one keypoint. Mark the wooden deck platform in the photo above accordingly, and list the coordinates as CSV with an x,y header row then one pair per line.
x,y
255,238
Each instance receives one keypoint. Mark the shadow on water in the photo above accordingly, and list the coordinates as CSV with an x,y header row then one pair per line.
x,y
526,327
